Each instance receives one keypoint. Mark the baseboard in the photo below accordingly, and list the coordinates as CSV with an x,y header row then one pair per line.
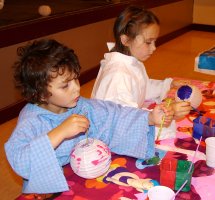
x,y
13,110
203,27
161,40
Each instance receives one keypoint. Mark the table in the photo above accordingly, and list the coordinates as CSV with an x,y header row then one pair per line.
x,y
182,147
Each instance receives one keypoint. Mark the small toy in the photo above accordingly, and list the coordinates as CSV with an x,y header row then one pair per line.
x,y
1,4
90,159
189,93
44,10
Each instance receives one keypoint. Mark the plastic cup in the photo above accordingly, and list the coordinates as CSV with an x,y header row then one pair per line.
x,y
161,193
173,173
210,149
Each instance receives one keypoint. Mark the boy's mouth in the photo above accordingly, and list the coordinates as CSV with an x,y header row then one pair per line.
x,y
76,99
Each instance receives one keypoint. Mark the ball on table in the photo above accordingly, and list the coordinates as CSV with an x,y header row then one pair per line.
x,y
44,10
90,159
189,93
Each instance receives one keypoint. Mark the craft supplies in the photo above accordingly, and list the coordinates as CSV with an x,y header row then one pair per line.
x,y
203,126
179,190
163,119
193,160
87,132
190,168
90,160
173,173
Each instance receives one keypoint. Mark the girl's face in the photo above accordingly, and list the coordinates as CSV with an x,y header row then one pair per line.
x,y
65,92
143,46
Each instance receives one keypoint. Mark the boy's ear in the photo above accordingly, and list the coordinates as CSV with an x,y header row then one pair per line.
x,y
124,40
43,98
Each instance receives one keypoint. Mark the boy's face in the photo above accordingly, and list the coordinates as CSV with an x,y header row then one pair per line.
x,y
143,46
65,92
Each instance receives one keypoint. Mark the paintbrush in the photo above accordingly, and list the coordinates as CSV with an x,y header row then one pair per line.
x,y
85,114
190,168
163,119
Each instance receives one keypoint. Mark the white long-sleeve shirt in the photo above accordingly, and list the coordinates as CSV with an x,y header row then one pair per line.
x,y
123,79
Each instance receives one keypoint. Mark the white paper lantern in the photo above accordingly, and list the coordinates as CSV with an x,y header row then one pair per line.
x,y
189,93
90,160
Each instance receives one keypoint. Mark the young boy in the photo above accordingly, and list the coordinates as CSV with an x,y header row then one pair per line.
x,y
56,118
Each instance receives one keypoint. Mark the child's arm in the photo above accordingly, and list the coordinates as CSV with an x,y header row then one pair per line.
x,y
71,127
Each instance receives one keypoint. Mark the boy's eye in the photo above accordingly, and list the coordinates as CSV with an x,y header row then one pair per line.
x,y
150,42
65,86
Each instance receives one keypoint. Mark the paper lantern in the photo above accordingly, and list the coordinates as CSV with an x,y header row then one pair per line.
x,y
90,159
189,93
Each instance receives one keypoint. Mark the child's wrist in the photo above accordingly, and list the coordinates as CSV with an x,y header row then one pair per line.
x,y
150,119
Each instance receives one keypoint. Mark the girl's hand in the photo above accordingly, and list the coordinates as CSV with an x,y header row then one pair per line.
x,y
69,128
181,109
178,83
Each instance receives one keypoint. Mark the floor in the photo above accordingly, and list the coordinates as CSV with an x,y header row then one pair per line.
x,y
172,59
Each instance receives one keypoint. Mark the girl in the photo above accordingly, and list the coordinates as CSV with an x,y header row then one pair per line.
x,y
122,77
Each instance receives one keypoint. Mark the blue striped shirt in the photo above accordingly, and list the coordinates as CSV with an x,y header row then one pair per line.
x,y
29,151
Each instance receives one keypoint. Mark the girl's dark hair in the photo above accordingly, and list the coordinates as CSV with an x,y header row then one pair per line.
x,y
130,23
37,61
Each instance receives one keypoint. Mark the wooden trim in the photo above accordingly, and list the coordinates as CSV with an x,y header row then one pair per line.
x,y
11,111
161,40
43,26
203,27
89,75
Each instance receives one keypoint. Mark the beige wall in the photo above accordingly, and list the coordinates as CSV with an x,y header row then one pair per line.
x,y
204,12
174,16
89,42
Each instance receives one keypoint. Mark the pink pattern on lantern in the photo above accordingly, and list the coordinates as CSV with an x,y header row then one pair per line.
x,y
101,158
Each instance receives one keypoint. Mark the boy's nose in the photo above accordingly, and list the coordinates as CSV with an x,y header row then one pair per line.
x,y
153,47
77,85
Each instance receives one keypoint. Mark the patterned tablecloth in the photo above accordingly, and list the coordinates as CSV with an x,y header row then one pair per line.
x,y
182,147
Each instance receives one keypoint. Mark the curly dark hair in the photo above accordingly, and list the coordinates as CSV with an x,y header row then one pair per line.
x,y
130,22
32,71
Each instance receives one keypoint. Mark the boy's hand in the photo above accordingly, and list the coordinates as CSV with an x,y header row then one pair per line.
x,y
181,109
157,114
69,128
